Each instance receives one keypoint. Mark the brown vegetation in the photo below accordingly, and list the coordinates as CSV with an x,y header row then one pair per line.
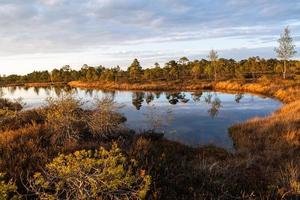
x,y
265,164
265,147
274,141
149,86
45,84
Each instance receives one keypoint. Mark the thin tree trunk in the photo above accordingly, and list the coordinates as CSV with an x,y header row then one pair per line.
x,y
215,70
284,69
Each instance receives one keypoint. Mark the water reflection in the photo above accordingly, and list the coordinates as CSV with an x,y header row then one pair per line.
x,y
201,117
174,98
197,96
138,99
215,107
157,121
149,97
180,97
215,104
238,97
1,92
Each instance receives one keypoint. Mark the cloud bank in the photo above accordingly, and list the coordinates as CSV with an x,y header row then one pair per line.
x,y
50,32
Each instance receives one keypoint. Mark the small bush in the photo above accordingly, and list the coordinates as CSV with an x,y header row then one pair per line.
x,y
18,120
6,104
96,174
65,118
105,121
7,189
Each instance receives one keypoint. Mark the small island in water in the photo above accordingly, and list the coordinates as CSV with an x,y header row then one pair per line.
x,y
201,128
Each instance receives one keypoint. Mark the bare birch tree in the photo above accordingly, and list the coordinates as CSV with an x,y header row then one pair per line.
x,y
286,49
213,57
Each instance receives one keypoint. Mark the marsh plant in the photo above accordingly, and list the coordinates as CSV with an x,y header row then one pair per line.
x,y
99,174
64,117
105,120
7,189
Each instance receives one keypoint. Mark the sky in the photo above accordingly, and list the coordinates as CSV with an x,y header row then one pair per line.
x,y
47,34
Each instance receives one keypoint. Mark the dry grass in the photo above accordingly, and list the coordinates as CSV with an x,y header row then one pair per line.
x,y
45,84
151,86
275,132
284,90
273,141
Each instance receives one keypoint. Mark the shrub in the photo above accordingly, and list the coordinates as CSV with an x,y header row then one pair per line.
x,y
16,120
24,150
6,104
96,174
65,118
7,189
105,121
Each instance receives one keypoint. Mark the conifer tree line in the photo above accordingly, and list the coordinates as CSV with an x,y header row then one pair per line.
x,y
213,68
221,69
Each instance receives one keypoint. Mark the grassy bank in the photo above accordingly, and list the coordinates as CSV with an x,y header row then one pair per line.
x,y
35,84
151,86
285,90
44,84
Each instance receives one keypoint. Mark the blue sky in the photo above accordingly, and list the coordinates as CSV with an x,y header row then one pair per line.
x,y
43,34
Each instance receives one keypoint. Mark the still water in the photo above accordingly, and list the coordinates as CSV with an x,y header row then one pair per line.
x,y
193,118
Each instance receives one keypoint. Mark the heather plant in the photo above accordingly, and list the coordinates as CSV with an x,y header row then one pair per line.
x,y
86,174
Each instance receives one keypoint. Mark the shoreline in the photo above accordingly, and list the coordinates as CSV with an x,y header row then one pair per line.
x,y
286,93
282,93
37,84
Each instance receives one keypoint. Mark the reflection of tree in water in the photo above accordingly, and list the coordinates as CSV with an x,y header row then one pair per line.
x,y
149,97
75,90
1,92
137,99
12,90
215,103
215,107
36,90
197,96
68,88
89,92
238,97
109,93
158,119
174,98
157,94
60,89
47,90
208,98
57,91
